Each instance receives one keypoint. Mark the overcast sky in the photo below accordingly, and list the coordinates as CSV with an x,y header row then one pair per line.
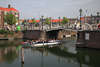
x,y
53,8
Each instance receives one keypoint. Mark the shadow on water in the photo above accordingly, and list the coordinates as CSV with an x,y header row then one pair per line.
x,y
42,57
84,57
88,56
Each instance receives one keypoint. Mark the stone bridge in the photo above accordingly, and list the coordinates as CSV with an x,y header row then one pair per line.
x,y
50,34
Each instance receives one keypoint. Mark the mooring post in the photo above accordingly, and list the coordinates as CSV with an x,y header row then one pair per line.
x,y
22,55
43,43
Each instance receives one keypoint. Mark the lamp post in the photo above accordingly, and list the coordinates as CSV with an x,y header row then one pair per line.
x,y
59,20
50,23
42,21
80,17
98,17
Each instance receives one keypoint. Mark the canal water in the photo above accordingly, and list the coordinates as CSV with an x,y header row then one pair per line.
x,y
66,55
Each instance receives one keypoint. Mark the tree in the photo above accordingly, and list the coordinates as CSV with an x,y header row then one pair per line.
x,y
10,19
33,22
47,21
65,20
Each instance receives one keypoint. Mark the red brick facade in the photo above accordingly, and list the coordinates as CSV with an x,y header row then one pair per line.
x,y
4,11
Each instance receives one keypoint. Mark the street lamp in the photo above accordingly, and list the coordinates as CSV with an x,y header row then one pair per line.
x,y
59,20
50,23
42,21
98,17
80,17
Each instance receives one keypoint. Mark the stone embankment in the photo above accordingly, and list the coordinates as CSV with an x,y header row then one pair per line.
x,y
16,35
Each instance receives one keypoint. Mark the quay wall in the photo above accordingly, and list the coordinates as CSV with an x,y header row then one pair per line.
x,y
16,35
39,34
45,35
89,39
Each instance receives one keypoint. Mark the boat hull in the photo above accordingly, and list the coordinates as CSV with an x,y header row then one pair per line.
x,y
44,44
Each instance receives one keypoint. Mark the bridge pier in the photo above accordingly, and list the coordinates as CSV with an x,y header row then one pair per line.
x,y
45,35
88,39
34,34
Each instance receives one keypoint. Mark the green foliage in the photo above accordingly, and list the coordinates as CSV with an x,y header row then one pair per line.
x,y
10,19
12,33
33,21
65,20
47,21
6,32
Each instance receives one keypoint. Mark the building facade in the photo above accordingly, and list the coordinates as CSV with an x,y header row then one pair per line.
x,y
4,11
93,19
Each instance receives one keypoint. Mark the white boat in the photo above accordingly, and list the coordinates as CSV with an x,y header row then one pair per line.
x,y
68,36
49,43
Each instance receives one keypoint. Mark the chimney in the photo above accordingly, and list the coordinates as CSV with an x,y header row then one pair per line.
x,y
9,6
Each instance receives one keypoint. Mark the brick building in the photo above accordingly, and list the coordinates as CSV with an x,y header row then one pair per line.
x,y
4,11
93,19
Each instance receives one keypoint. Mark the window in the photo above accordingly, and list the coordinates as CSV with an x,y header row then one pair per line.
x,y
87,35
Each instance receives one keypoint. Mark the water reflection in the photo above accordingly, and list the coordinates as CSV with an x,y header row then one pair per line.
x,y
83,57
22,57
8,54
65,55
9,51
89,57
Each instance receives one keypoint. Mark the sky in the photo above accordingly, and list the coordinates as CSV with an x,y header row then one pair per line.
x,y
53,8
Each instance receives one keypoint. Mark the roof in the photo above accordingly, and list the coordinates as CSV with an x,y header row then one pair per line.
x,y
54,20
37,20
30,21
8,9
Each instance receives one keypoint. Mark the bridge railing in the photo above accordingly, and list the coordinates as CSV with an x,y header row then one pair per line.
x,y
84,27
28,27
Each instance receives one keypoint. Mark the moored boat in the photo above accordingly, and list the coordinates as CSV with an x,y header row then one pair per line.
x,y
42,43
46,43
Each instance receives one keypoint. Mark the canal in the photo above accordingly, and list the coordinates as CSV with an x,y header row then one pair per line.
x,y
65,55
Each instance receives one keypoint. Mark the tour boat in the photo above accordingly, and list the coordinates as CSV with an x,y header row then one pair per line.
x,y
43,43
